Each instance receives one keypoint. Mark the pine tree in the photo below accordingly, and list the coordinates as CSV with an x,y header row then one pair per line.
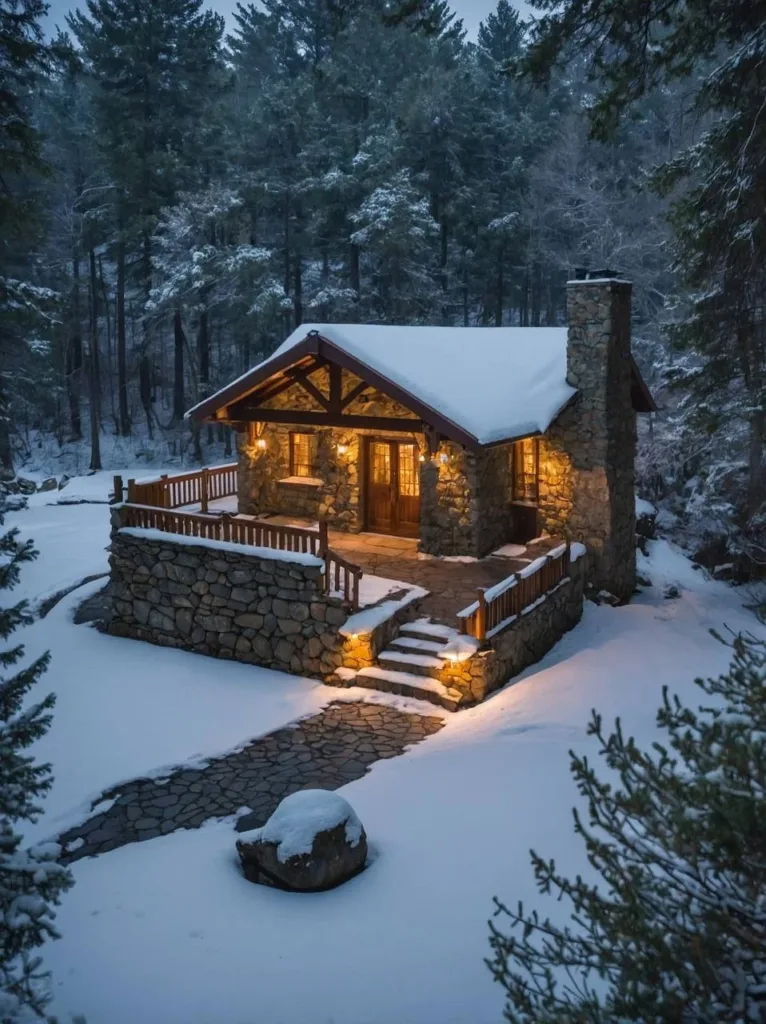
x,y
23,57
31,880
675,931
156,67
718,183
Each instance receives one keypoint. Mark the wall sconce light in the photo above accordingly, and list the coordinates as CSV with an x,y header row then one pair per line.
x,y
261,443
443,458
342,449
354,636
422,458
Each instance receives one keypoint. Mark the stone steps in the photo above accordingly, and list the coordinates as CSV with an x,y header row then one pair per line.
x,y
405,684
414,646
406,661
434,632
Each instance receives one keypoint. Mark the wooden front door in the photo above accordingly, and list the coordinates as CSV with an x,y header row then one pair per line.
x,y
393,488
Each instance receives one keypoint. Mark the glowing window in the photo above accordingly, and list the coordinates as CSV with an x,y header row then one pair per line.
x,y
525,465
301,455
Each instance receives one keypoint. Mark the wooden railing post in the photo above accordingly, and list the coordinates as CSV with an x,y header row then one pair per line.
x,y
204,488
132,491
118,489
481,616
323,537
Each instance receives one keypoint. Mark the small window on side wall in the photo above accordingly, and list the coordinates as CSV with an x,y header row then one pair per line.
x,y
301,455
525,470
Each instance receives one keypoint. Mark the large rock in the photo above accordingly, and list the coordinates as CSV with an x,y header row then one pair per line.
x,y
312,841
51,484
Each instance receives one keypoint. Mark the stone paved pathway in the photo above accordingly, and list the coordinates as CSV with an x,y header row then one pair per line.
x,y
326,751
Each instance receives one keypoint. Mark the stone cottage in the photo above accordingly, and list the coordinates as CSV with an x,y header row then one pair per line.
x,y
466,438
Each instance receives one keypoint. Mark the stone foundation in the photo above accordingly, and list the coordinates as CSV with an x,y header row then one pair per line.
x,y
522,643
236,604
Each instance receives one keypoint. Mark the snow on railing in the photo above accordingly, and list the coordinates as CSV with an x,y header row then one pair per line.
x,y
500,605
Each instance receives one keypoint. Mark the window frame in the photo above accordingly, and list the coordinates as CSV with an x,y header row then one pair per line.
x,y
293,434
518,475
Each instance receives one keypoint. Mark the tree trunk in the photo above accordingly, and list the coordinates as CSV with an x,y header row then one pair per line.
x,y
286,257
499,290
203,351
6,452
94,371
298,293
145,389
179,341
354,273
122,354
109,360
74,355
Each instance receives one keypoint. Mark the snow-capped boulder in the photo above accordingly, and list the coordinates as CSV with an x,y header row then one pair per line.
x,y
312,841
26,486
51,484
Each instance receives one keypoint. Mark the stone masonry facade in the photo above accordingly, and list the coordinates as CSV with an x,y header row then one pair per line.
x,y
232,602
587,458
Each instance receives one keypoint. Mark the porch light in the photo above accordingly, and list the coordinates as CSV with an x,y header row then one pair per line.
x,y
261,443
342,449
443,457
422,458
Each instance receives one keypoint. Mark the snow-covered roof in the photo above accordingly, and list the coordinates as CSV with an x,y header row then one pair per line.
x,y
493,383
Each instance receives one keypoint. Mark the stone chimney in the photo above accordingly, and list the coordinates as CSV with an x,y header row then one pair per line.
x,y
600,427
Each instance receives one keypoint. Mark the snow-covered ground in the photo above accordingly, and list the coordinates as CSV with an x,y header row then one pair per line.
x,y
168,931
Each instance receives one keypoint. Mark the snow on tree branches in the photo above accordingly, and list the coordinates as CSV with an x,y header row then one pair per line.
x,y
675,928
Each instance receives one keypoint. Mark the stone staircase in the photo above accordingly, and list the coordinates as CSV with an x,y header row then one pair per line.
x,y
411,665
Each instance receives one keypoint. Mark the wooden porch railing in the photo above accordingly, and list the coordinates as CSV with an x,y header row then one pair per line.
x,y
507,599
340,576
200,486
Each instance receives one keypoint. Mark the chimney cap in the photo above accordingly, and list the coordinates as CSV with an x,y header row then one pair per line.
x,y
583,274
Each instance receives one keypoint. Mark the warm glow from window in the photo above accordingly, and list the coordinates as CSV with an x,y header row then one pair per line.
x,y
301,455
525,470
409,474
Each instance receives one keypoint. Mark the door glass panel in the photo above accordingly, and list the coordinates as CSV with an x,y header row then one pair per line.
x,y
409,477
381,463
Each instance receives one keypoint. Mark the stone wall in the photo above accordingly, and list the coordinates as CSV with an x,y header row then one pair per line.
x,y
466,501
522,643
588,456
494,489
255,606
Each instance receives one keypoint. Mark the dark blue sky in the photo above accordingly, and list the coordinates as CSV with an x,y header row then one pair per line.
x,y
471,11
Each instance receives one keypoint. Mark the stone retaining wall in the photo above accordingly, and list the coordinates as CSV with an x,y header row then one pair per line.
x,y
522,643
250,605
